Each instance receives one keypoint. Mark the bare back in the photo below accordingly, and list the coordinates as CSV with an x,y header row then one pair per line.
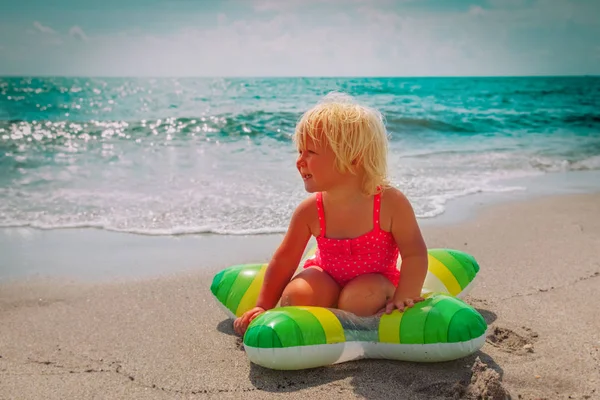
x,y
346,221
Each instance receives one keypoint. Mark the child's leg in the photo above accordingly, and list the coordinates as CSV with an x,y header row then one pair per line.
x,y
311,287
366,294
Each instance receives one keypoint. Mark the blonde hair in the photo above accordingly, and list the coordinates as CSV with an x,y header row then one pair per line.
x,y
355,133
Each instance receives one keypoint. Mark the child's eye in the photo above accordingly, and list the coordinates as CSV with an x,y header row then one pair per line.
x,y
306,151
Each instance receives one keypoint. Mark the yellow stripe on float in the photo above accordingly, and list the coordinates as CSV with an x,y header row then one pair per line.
x,y
334,332
251,296
444,275
389,327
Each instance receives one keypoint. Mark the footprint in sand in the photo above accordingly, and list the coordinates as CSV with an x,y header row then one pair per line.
x,y
239,344
508,340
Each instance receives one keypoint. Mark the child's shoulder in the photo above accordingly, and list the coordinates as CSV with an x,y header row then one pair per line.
x,y
307,212
392,195
394,205
308,205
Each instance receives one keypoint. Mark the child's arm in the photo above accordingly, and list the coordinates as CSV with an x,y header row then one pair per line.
x,y
283,264
285,261
413,251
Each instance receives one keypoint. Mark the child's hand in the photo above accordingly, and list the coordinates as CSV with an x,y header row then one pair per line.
x,y
400,304
241,324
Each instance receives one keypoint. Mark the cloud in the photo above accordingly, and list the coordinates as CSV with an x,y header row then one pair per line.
x,y
43,29
78,33
48,35
276,5
364,41
289,5
510,3
222,19
476,10
370,39
385,44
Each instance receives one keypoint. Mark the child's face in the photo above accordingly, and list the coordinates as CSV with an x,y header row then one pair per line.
x,y
316,164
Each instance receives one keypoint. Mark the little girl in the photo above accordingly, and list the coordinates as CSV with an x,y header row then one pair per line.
x,y
360,222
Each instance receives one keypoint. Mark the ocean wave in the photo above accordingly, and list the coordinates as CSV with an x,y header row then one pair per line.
x,y
437,203
399,123
588,164
546,164
586,120
213,156
255,124
175,231
426,207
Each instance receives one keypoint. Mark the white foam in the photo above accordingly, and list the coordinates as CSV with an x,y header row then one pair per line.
x,y
176,231
588,164
240,188
439,201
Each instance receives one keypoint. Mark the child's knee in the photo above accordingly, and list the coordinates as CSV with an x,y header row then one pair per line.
x,y
311,288
366,294
297,293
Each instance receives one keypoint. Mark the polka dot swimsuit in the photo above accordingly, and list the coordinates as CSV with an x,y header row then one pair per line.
x,y
345,259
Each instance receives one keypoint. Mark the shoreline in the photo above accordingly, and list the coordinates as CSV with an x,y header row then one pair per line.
x,y
164,337
65,253
465,209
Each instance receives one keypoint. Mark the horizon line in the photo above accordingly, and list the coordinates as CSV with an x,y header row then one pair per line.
x,y
292,76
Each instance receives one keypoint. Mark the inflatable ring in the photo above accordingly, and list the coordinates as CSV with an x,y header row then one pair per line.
x,y
441,328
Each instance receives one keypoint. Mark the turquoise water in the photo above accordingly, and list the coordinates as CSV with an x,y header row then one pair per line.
x,y
176,156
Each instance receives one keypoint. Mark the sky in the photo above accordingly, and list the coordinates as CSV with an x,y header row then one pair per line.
x,y
299,37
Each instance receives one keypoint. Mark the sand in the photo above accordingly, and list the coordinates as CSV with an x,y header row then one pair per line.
x,y
164,337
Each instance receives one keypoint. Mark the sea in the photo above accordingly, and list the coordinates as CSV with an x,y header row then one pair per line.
x,y
178,156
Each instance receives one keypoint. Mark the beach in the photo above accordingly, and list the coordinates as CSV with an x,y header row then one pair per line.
x,y
145,150
123,197
113,334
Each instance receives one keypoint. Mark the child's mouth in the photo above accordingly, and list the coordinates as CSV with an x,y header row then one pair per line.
x,y
306,176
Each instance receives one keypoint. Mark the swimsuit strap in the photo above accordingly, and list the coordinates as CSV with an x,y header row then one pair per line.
x,y
321,213
376,211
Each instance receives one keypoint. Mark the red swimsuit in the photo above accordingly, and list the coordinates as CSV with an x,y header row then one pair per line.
x,y
344,259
